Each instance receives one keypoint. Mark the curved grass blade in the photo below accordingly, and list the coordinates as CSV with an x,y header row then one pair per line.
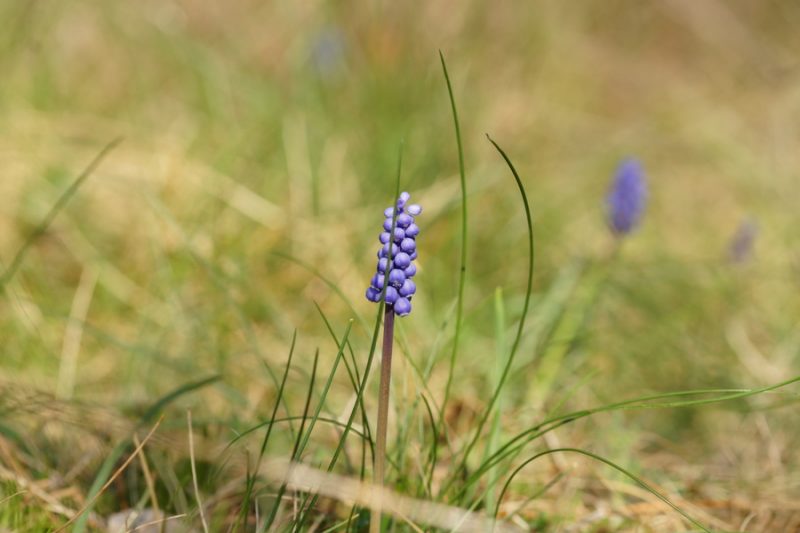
x,y
321,419
37,232
462,277
327,387
538,494
515,345
516,443
154,410
617,467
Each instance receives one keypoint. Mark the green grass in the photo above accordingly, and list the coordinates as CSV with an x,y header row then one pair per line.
x,y
223,247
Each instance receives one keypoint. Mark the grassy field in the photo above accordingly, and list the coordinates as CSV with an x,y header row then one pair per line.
x,y
231,225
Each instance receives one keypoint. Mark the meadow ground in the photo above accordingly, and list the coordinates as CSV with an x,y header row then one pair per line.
x,y
241,208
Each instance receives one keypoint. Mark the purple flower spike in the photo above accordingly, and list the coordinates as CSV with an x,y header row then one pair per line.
x,y
395,257
740,249
627,198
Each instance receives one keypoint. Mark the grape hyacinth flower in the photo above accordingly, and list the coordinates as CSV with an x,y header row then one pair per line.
x,y
627,198
396,257
392,281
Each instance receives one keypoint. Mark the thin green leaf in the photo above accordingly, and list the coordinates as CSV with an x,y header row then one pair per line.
x,y
462,277
619,468
514,347
516,443
39,230
270,424
108,465
300,441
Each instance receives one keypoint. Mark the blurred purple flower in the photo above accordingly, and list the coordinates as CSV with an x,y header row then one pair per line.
x,y
743,241
403,250
627,198
328,52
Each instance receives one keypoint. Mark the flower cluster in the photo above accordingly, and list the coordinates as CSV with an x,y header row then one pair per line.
x,y
627,197
396,256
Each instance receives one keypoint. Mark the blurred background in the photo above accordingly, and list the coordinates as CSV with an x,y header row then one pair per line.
x,y
260,142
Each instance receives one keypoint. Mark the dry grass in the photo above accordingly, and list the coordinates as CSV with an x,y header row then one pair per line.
x,y
247,132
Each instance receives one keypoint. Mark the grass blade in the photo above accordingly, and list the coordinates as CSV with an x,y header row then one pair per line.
x,y
321,419
500,362
462,277
297,450
568,331
154,410
353,374
270,424
82,516
617,467
515,346
327,387
19,257
118,451
516,443
323,396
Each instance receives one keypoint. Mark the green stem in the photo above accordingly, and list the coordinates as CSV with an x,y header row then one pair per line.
x,y
383,410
